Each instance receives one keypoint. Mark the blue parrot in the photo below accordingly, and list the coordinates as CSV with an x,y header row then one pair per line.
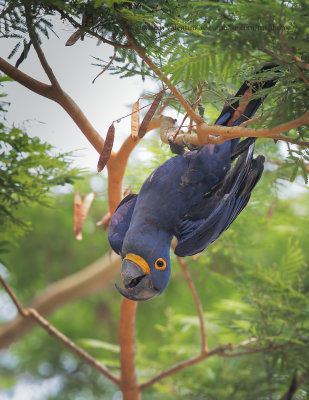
x,y
194,196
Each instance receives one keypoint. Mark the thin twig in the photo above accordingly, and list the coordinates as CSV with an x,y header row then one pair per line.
x,y
222,351
287,139
37,47
293,66
295,57
90,32
193,107
196,118
13,297
251,121
51,330
197,302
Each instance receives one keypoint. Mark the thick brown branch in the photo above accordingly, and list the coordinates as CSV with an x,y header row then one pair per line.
x,y
69,105
205,133
60,97
117,165
204,130
34,85
129,385
197,302
30,312
89,280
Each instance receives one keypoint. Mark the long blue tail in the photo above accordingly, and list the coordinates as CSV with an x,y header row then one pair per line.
x,y
237,112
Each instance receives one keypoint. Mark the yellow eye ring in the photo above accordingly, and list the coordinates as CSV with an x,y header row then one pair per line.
x,y
160,264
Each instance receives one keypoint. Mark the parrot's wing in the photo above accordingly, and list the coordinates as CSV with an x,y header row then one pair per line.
x,y
207,220
121,221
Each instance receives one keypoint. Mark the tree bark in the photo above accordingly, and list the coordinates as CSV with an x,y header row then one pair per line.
x,y
129,384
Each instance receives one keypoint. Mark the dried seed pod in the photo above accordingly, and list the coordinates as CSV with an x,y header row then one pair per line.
x,y
86,206
107,149
106,67
144,125
77,212
73,39
84,209
135,121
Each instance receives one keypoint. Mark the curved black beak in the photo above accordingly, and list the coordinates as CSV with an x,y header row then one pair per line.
x,y
138,286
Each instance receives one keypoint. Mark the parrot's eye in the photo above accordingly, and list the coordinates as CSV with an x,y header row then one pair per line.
x,y
160,263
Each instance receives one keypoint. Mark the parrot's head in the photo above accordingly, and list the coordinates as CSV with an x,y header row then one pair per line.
x,y
145,275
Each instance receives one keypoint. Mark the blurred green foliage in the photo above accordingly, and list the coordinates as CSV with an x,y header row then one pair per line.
x,y
28,170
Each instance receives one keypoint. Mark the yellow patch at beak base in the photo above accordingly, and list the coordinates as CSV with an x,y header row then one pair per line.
x,y
139,261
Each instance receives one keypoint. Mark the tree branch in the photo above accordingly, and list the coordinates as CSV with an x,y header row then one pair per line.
x,y
205,133
90,32
37,47
60,97
117,165
222,351
186,105
51,330
25,80
296,58
89,280
294,67
204,130
129,386
290,140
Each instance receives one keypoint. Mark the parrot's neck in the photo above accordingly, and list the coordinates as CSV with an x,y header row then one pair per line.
x,y
145,240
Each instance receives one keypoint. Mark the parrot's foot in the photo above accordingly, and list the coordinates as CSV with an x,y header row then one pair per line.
x,y
191,147
176,148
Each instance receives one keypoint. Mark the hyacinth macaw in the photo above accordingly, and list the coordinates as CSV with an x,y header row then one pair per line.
x,y
194,196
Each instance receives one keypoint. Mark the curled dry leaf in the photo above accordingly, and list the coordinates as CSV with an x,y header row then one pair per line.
x,y
271,209
77,212
107,149
85,207
150,113
196,256
127,190
105,221
23,54
135,121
